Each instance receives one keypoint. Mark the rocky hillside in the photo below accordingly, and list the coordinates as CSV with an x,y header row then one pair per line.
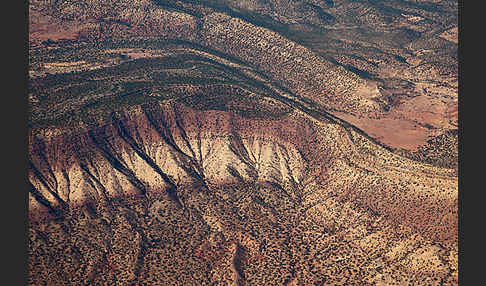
x,y
242,143
159,170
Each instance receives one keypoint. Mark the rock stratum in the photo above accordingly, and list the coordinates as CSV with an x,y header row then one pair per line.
x,y
242,143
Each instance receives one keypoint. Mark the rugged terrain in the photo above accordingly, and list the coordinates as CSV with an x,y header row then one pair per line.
x,y
243,142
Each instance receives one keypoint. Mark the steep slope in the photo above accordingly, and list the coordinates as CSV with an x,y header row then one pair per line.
x,y
245,180
381,65
242,143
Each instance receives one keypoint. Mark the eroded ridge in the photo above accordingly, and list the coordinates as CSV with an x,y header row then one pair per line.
x,y
242,142
382,66
288,195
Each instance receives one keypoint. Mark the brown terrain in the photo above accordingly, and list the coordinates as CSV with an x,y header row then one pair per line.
x,y
243,143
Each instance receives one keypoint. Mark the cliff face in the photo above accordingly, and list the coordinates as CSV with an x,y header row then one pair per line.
x,y
242,143
157,147
240,178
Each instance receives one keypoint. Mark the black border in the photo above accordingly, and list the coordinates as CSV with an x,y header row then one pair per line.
x,y
461,111
15,139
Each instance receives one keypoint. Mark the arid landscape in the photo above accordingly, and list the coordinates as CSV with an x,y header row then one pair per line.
x,y
257,142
